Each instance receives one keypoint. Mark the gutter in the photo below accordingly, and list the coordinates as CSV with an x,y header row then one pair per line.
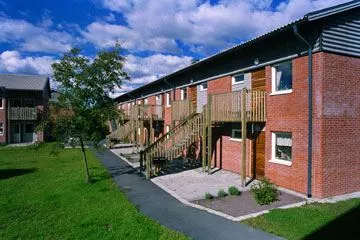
x,y
310,110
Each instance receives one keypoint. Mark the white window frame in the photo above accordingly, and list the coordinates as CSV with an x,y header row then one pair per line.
x,y
233,79
2,103
202,88
233,138
168,96
273,82
182,93
167,129
2,126
157,97
146,101
273,154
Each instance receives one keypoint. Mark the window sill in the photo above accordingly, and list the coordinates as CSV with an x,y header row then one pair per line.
x,y
236,83
281,92
282,162
235,139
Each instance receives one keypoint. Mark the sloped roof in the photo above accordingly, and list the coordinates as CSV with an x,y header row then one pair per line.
x,y
24,82
311,16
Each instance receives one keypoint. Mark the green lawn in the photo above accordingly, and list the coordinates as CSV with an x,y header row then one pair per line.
x,y
43,196
313,221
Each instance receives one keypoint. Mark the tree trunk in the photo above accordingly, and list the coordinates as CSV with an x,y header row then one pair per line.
x,y
87,179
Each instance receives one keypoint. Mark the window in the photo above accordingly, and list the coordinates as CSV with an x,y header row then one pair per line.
x,y
129,105
183,94
167,130
168,99
236,135
282,78
203,86
1,129
29,128
28,103
157,97
146,101
15,103
240,78
1,103
282,147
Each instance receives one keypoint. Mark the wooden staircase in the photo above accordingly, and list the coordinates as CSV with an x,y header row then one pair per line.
x,y
172,144
121,133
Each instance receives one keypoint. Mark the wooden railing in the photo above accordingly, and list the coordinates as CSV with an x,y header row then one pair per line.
x,y
173,143
228,107
120,133
143,112
181,109
23,113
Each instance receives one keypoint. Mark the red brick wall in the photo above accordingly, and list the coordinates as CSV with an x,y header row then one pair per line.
x,y
3,120
167,111
152,100
341,125
220,85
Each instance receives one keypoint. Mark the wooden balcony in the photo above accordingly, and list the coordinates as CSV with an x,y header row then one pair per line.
x,y
144,112
230,107
181,109
23,113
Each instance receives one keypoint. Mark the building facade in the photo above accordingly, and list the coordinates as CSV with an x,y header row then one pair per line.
x,y
309,71
23,104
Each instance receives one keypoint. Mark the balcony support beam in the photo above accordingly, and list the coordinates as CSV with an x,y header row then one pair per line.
x,y
243,137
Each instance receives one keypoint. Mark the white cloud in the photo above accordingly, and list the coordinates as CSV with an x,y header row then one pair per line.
x,y
13,62
203,26
148,69
32,38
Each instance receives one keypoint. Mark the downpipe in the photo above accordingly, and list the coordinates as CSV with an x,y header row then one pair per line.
x,y
310,110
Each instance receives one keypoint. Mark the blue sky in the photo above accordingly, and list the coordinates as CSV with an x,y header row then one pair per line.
x,y
158,36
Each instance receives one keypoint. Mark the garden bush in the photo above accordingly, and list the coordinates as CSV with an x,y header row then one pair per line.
x,y
234,191
208,196
265,192
221,193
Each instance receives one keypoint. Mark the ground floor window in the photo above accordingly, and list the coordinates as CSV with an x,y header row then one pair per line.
x,y
282,146
1,128
29,128
236,135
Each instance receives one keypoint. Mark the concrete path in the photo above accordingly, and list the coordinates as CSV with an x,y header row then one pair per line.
x,y
162,207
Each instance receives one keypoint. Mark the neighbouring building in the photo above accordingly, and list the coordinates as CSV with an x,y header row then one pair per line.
x,y
23,104
284,105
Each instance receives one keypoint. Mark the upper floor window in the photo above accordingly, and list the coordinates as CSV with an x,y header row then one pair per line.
x,y
1,128
146,101
168,99
1,103
183,92
239,78
28,103
203,86
282,78
282,147
157,97
236,135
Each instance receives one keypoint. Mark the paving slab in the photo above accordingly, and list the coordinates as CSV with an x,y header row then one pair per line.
x,y
157,204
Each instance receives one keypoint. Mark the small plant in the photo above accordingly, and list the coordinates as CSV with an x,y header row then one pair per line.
x,y
265,192
208,196
221,193
234,191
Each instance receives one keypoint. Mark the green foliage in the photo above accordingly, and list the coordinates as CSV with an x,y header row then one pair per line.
x,y
42,197
83,106
265,192
208,196
221,193
234,191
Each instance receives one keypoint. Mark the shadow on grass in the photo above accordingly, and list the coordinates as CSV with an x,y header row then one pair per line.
x,y
345,226
10,173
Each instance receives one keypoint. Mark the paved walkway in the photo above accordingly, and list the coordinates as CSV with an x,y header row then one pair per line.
x,y
162,207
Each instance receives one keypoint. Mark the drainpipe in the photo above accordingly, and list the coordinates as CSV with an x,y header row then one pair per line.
x,y
310,110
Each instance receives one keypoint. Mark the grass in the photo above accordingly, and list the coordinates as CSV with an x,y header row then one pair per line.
x,y
43,196
312,221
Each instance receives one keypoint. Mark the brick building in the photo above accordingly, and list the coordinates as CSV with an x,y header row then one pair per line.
x,y
284,106
23,102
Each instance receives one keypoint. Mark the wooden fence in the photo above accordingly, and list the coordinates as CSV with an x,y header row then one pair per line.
x,y
181,109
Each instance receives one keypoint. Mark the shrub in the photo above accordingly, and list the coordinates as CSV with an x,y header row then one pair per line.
x,y
265,192
221,193
234,191
208,196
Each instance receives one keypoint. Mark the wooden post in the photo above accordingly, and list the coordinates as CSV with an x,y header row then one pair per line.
x,y
148,166
141,161
209,133
243,135
204,119
151,131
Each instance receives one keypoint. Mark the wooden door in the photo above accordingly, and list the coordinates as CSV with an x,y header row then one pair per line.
x,y
259,156
258,79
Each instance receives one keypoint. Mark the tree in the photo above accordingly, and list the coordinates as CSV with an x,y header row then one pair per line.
x,y
84,106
